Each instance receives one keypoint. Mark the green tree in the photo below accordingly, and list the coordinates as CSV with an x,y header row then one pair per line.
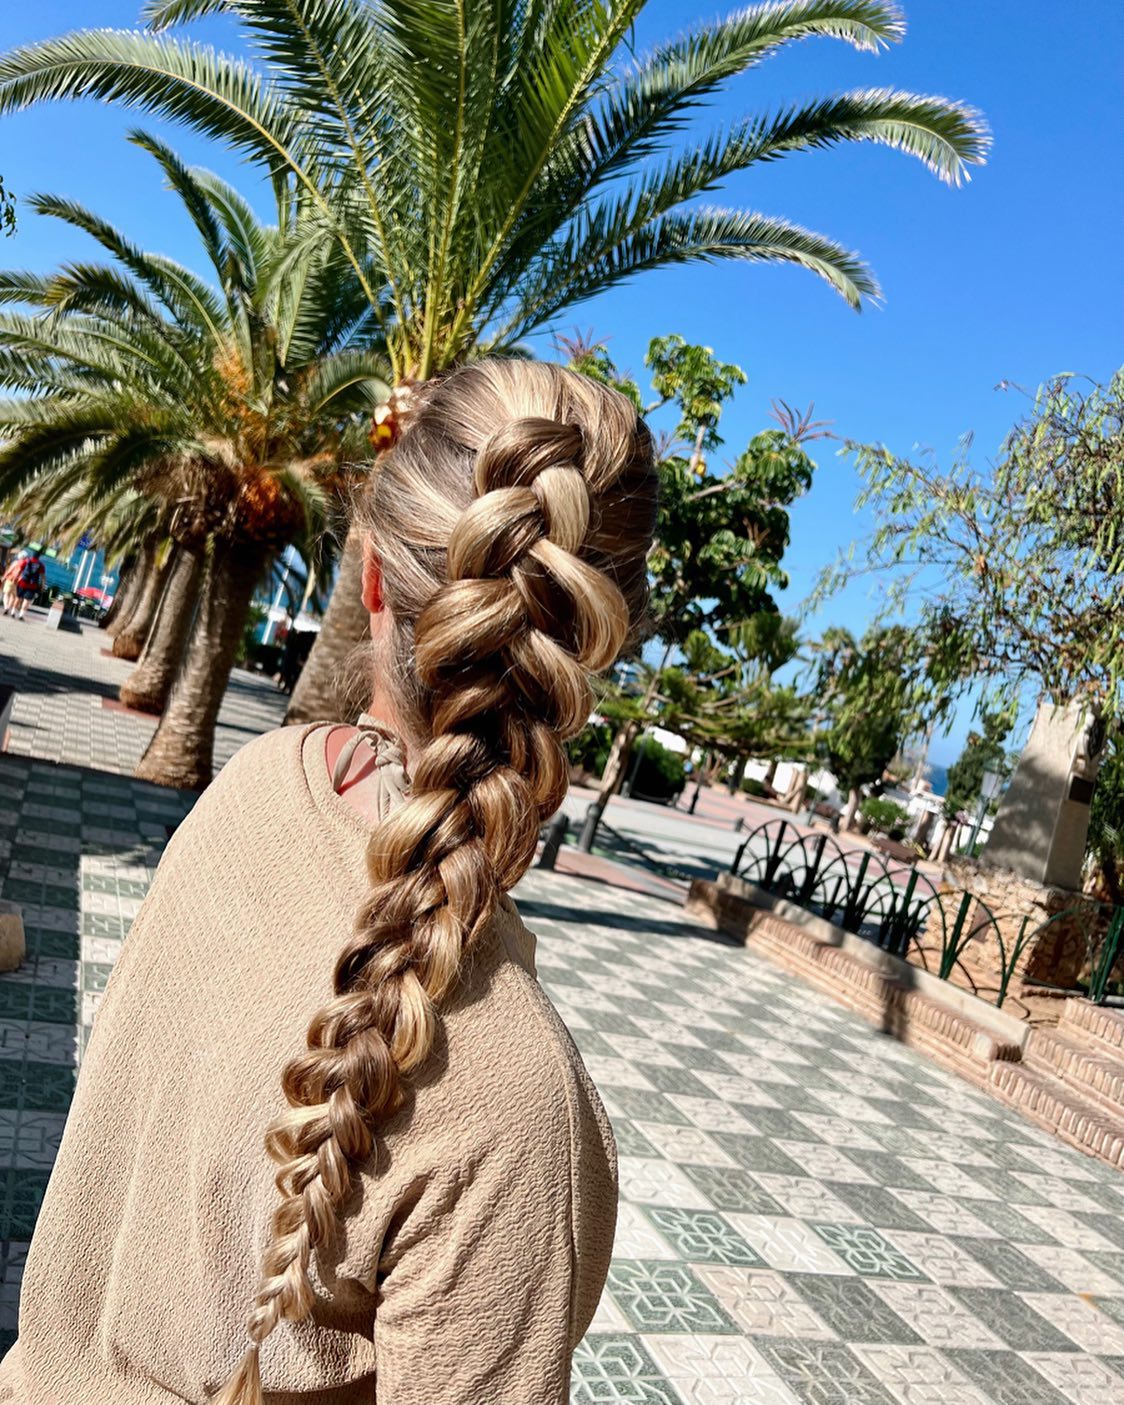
x,y
719,536
486,167
1018,566
1105,845
983,751
234,408
870,693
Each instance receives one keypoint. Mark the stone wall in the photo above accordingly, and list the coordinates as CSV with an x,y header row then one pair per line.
x,y
1058,950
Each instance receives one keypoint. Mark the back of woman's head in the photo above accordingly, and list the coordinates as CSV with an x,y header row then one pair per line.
x,y
511,524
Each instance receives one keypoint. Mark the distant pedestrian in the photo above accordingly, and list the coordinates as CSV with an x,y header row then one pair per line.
x,y
11,571
29,582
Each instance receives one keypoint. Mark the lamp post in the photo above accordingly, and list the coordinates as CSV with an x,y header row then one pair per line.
x,y
989,789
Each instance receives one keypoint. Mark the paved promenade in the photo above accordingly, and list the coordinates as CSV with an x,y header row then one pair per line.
x,y
810,1214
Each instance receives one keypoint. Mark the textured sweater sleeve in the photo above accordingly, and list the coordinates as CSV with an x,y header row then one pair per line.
x,y
496,1256
474,1304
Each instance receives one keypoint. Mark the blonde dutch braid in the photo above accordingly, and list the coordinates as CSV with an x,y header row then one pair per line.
x,y
549,517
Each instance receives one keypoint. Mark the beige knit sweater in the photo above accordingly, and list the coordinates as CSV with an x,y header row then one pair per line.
x,y
479,1241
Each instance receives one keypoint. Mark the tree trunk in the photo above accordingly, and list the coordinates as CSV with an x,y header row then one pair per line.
x,y
182,749
131,588
324,691
126,577
737,775
797,791
848,820
130,639
148,686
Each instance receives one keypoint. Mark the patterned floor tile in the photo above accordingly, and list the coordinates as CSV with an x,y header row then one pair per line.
x,y
1006,1378
713,1115
942,1260
617,1370
837,1131
657,1296
765,1303
702,1237
1083,1322
732,1188
788,1244
1013,1320
946,1215
685,1144
938,1319
719,1371
637,1237
757,1153
852,1309
1008,1265
1067,1229
823,1373
30,1140
807,1198
826,1163
877,1206
1082,1380
868,1252
918,1375
656,1182
1074,1271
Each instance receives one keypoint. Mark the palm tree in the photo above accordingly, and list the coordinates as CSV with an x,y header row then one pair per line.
x,y
486,165
235,411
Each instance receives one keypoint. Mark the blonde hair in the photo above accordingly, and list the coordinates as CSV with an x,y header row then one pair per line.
x,y
512,522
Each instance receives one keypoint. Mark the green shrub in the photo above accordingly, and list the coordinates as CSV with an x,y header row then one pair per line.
x,y
589,750
752,786
659,774
885,816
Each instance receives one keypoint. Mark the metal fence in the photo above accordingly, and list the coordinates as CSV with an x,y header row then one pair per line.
x,y
891,904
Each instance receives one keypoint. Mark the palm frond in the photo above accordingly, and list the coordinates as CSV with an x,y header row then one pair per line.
x,y
591,260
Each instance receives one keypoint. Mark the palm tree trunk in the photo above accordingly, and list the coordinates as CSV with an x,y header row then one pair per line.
x,y
130,639
122,596
149,684
182,748
324,692
132,588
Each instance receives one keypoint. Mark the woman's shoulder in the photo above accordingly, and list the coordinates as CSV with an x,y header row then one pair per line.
x,y
514,1037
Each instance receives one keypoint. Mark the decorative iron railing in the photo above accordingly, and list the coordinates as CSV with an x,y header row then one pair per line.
x,y
893,905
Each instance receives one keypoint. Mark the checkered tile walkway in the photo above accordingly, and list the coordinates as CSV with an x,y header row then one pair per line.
x,y
810,1214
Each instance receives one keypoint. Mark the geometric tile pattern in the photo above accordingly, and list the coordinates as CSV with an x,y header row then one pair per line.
x,y
810,1214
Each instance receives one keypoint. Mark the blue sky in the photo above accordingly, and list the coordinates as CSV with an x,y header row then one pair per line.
x,y
1015,276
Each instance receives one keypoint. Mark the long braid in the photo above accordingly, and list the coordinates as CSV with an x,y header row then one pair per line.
x,y
541,583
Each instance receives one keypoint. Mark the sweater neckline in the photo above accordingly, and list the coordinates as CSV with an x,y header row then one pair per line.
x,y
328,801
517,940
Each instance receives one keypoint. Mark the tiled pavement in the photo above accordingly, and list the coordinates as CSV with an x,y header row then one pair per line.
x,y
61,680
809,1212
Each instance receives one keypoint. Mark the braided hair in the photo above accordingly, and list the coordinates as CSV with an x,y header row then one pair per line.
x,y
512,523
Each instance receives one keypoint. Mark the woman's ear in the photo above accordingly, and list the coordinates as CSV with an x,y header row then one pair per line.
x,y
372,582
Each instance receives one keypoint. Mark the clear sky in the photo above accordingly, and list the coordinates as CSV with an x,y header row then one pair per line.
x,y
1015,276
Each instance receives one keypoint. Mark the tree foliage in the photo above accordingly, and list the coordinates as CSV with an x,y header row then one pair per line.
x,y
984,750
1019,566
1105,844
487,166
870,695
7,209
134,381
